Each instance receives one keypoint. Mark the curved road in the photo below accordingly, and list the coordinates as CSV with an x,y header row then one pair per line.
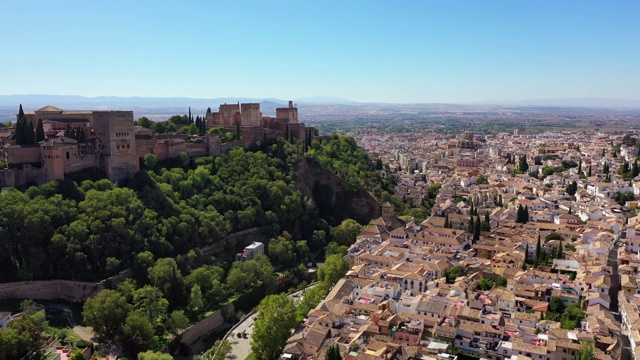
x,y
241,347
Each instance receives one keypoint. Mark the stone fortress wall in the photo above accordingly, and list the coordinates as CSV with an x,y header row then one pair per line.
x,y
115,145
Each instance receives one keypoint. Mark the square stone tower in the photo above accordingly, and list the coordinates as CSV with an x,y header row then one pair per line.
x,y
250,114
287,115
229,113
115,131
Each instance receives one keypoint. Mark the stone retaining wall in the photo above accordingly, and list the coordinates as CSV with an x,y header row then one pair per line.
x,y
75,291
212,323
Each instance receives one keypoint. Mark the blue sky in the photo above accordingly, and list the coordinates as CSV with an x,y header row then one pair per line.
x,y
391,51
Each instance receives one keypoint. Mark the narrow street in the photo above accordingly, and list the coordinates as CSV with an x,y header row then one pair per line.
x,y
613,293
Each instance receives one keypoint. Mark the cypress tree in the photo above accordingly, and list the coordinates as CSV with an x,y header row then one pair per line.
x,y
29,134
190,117
238,130
485,225
476,229
634,169
526,256
19,132
519,214
522,163
81,135
536,260
589,173
471,227
39,131
447,225
560,250
580,167
333,353
525,214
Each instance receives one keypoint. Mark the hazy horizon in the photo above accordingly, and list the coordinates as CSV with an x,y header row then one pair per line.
x,y
51,99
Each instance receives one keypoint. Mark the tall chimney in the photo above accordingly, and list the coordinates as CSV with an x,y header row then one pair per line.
x,y
290,104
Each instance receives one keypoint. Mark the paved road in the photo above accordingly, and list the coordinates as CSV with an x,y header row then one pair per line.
x,y
241,347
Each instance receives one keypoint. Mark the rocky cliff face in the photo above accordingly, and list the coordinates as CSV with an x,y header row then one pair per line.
x,y
335,198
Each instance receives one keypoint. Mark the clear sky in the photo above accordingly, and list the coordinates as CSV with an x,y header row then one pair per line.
x,y
391,51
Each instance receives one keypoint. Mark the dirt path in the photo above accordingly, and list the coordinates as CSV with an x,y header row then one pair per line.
x,y
84,332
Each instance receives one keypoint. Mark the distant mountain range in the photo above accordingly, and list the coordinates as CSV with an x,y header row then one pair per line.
x,y
111,102
587,102
163,107
99,102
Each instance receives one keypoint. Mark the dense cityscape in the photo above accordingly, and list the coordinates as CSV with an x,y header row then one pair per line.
x,y
319,180
499,244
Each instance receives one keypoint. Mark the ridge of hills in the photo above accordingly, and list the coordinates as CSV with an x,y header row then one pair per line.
x,y
105,102
318,108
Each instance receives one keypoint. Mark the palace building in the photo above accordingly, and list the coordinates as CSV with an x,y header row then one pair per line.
x,y
113,144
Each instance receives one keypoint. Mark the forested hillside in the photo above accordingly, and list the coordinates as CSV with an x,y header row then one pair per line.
x,y
91,230
154,225
342,156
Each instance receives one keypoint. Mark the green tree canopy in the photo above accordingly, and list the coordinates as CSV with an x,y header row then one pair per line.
x,y
333,353
553,236
152,355
587,351
148,300
333,269
144,122
177,322
137,332
346,232
276,318
24,334
281,251
106,312
454,273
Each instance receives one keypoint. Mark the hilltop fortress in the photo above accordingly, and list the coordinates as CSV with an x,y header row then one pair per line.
x,y
113,144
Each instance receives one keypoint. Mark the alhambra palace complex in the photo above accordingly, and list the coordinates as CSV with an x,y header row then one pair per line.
x,y
115,145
